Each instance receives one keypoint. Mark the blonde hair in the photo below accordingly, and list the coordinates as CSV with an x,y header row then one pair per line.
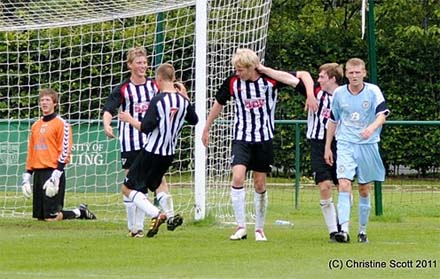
x,y
166,72
49,92
333,70
135,52
246,58
355,62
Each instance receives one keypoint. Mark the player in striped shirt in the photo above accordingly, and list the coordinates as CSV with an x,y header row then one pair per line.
x,y
358,112
133,95
162,124
330,77
255,96
49,149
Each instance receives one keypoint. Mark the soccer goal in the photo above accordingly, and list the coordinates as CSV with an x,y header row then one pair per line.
x,y
79,47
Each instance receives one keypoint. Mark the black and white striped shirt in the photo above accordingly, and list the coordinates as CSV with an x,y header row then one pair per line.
x,y
255,103
317,121
135,99
164,120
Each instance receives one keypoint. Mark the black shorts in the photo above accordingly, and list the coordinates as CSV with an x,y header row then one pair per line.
x,y
255,156
147,171
128,157
44,207
322,171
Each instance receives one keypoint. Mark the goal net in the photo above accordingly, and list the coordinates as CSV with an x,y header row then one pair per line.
x,y
79,47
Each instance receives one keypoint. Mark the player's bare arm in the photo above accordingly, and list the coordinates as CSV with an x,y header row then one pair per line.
x,y
311,102
280,76
328,154
293,81
125,116
380,120
181,89
213,114
107,120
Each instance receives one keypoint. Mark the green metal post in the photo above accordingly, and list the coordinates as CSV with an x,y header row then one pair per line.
x,y
297,164
372,65
372,69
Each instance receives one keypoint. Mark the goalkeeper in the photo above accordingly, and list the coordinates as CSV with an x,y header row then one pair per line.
x,y
49,148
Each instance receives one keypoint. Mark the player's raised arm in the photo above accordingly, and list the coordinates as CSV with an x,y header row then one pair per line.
x,y
281,76
293,81
181,89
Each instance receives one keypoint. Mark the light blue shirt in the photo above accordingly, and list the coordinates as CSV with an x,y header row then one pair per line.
x,y
354,113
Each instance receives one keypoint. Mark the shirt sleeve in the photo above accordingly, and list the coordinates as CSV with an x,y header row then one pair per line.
x,y
301,88
191,116
335,114
380,103
225,92
66,145
113,100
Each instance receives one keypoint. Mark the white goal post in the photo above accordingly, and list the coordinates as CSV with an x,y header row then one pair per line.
x,y
79,47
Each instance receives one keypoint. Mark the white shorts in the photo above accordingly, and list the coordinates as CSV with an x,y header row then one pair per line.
x,y
360,160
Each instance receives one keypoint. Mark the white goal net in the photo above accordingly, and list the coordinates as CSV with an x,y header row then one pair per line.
x,y
79,47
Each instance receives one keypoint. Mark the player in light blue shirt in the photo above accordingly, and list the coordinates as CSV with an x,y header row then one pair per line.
x,y
358,112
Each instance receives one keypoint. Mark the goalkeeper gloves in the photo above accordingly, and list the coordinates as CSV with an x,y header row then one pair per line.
x,y
52,184
26,187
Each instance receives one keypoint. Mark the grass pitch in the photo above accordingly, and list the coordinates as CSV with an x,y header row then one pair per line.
x,y
404,243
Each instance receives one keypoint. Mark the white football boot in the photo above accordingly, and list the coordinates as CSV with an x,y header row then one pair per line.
x,y
240,233
260,236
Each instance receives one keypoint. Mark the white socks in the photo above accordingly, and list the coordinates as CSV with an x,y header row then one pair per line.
x,y
77,212
260,202
238,203
142,202
130,209
135,216
329,213
166,202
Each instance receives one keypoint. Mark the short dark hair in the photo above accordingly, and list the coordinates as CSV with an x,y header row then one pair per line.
x,y
49,92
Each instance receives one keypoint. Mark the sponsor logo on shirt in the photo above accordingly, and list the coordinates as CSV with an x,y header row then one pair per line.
x,y
141,107
326,112
254,103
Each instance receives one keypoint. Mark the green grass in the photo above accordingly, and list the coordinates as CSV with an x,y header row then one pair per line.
x,y
407,232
